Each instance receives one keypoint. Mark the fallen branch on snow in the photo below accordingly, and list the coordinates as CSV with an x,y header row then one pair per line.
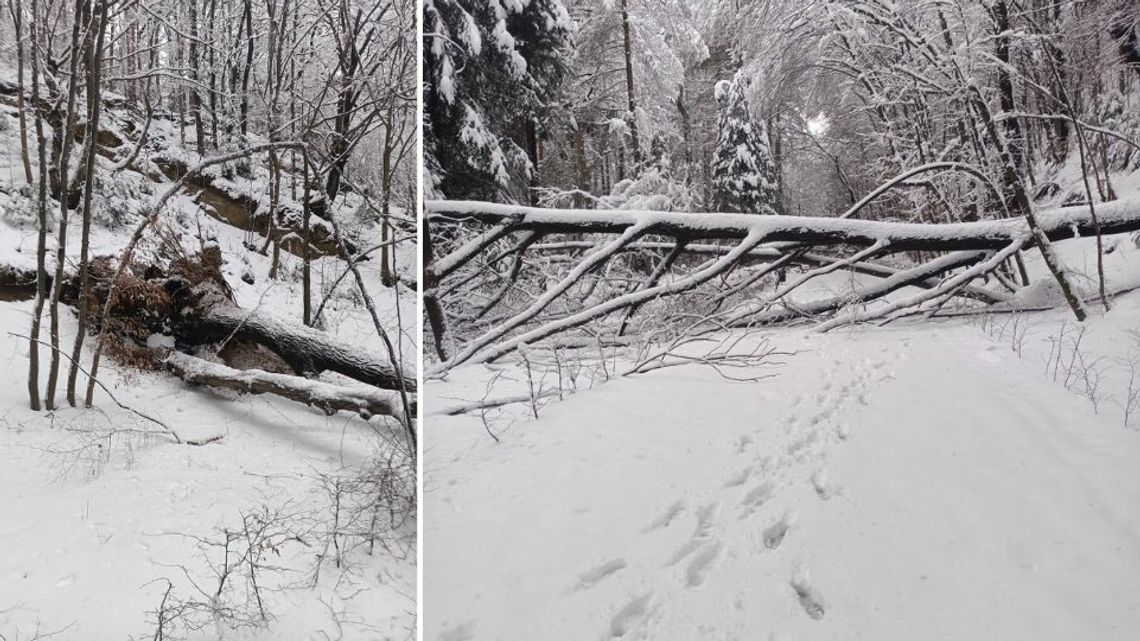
x,y
365,401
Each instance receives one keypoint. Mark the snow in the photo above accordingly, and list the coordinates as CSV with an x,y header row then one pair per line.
x,y
933,479
100,508
321,394
850,497
720,92
95,520
1051,220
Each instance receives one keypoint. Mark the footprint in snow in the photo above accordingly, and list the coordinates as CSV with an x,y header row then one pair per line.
x,y
596,575
809,597
742,443
774,535
631,616
821,481
801,446
705,517
755,498
701,533
738,479
666,519
683,551
702,564
462,632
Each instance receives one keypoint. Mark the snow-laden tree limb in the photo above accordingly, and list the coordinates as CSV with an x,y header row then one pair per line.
x,y
1057,224
305,349
593,263
621,302
359,399
766,314
768,254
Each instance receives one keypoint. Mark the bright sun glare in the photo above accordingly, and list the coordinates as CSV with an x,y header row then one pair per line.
x,y
818,124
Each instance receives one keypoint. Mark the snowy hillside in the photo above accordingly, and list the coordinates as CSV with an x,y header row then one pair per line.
x,y
217,514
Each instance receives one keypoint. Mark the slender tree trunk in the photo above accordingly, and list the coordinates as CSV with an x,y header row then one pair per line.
x,y
94,110
247,15
532,154
583,168
306,258
16,7
213,87
41,217
1123,31
195,77
999,12
79,46
1059,128
436,320
386,275
635,137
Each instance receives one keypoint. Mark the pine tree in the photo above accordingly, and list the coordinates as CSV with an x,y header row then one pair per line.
x,y
491,67
744,172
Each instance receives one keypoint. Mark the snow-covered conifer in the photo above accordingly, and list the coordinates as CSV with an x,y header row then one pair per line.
x,y
744,172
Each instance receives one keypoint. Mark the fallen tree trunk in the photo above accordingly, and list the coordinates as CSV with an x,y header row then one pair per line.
x,y
358,399
306,350
560,294
1057,224
182,301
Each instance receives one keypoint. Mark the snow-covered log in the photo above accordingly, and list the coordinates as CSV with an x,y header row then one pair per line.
x,y
305,349
358,399
1058,224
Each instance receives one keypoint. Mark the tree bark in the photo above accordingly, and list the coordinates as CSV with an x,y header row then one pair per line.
x,y
16,8
306,350
94,110
365,401
635,138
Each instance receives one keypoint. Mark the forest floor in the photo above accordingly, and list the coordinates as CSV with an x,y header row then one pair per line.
x,y
100,515
941,479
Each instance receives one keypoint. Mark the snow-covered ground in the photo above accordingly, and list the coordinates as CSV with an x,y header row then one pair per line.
x,y
941,479
97,516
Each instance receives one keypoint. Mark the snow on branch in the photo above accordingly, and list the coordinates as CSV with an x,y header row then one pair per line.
x,y
359,399
1058,224
305,349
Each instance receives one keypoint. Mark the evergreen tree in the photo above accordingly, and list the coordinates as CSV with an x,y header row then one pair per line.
x,y
491,67
744,172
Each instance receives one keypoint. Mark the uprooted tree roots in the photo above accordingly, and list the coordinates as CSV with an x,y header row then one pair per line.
x,y
189,302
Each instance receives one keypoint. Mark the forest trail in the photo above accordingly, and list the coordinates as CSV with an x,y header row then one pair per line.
x,y
897,483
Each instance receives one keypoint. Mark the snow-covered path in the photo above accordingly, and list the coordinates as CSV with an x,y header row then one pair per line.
x,y
895,483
